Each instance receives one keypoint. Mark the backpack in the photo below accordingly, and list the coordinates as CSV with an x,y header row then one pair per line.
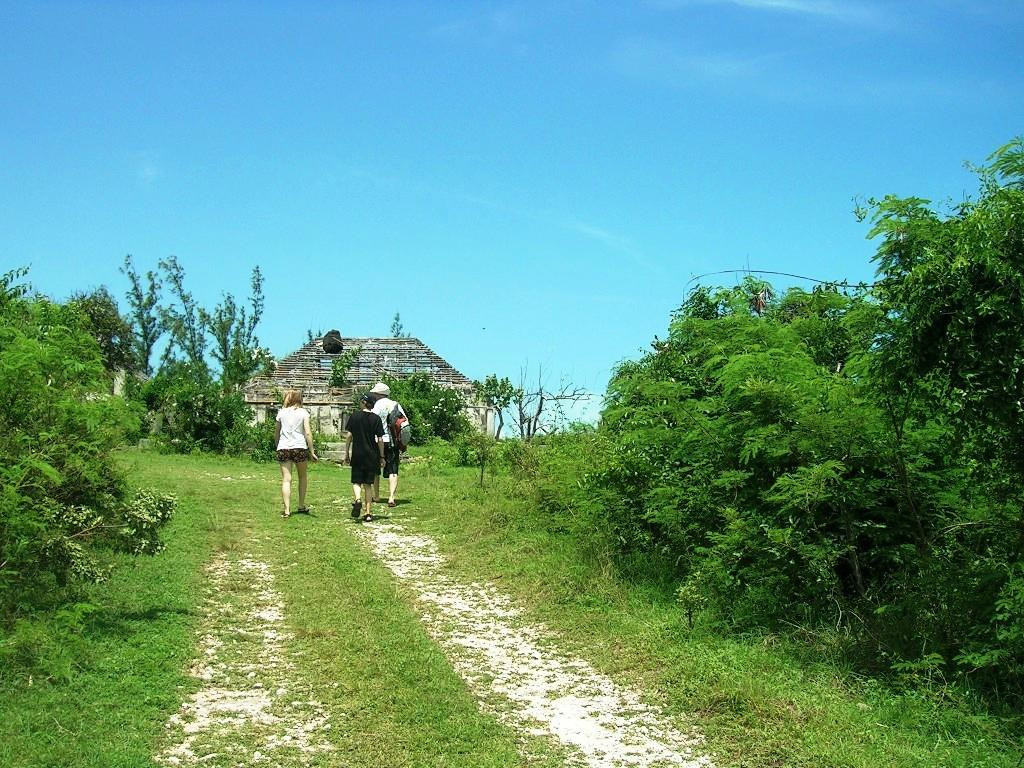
x,y
398,426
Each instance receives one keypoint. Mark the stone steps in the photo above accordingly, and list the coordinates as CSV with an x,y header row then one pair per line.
x,y
332,452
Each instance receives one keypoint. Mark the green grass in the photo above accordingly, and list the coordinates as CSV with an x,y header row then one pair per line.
x,y
392,697
758,699
128,667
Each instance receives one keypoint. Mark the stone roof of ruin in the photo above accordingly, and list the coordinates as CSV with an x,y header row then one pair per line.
x,y
308,369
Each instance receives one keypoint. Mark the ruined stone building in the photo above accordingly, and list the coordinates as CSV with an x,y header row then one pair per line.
x,y
308,370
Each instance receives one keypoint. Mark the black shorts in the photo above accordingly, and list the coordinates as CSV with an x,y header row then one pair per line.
x,y
364,474
292,454
391,460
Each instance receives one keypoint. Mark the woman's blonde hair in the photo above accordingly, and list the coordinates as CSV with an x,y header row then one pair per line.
x,y
292,397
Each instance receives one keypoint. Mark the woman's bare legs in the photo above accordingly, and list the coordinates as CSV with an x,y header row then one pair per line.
x,y
286,487
303,482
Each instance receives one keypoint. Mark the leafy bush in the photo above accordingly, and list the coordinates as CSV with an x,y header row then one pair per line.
x,y
468,452
246,438
842,463
434,411
514,456
197,413
341,365
62,497
759,455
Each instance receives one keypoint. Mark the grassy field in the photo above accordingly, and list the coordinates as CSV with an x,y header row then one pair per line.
x,y
393,698
759,702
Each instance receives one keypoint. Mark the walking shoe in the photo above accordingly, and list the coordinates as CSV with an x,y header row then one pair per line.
x,y
357,508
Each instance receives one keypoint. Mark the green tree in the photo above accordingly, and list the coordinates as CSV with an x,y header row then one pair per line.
x,y
63,497
433,410
146,323
397,331
953,290
181,317
200,405
497,394
113,334
231,327
236,348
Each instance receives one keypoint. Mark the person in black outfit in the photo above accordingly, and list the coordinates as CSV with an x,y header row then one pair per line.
x,y
364,451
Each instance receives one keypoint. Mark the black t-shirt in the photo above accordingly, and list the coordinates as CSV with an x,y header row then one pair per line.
x,y
365,427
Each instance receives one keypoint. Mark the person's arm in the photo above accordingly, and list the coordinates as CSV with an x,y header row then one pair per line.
x,y
379,436
277,434
309,437
348,448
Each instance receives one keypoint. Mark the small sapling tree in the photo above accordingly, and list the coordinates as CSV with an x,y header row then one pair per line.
x,y
497,394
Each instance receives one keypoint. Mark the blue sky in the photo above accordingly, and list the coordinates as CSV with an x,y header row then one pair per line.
x,y
526,183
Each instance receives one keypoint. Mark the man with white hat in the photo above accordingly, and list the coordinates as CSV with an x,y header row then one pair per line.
x,y
383,408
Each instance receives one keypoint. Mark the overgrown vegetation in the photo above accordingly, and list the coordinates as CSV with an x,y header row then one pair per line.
x,y
842,462
760,697
434,410
839,466
64,503
193,399
340,367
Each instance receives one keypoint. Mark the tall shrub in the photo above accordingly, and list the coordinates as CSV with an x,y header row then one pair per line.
x,y
756,453
434,411
61,493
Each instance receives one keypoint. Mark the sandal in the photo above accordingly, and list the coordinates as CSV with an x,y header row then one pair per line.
x,y
357,508
367,518
286,513
302,511
391,502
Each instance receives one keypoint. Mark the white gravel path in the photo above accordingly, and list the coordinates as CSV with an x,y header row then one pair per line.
x,y
249,710
519,674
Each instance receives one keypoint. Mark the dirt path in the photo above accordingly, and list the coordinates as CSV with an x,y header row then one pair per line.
x,y
250,709
518,672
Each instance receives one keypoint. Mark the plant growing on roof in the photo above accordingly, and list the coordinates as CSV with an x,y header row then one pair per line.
x,y
341,365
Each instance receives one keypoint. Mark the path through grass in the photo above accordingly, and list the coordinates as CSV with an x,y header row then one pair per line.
x,y
340,662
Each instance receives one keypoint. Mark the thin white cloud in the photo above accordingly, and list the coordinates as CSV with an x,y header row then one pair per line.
x,y
654,60
490,27
145,166
601,235
613,241
773,78
835,10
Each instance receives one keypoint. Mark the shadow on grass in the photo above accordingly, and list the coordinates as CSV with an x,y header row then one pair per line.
x,y
116,622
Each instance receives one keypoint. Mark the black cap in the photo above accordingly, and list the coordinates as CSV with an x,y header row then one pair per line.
x,y
368,399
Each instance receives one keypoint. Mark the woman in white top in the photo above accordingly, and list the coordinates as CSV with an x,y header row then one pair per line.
x,y
294,442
